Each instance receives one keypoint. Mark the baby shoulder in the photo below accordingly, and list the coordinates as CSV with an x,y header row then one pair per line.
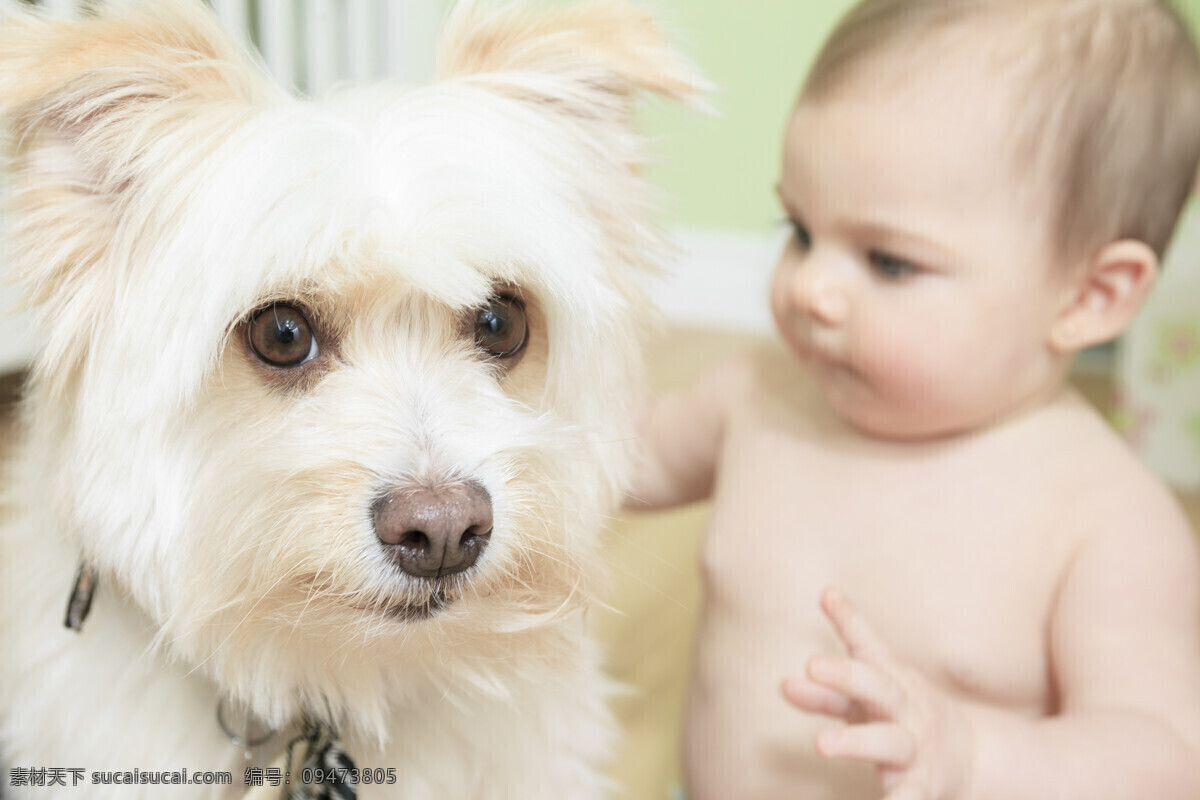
x,y
1121,496
1135,547
1120,524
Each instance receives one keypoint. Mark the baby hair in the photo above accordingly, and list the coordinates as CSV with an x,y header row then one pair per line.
x,y
1101,99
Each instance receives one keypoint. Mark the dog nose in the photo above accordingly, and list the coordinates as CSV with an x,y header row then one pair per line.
x,y
435,531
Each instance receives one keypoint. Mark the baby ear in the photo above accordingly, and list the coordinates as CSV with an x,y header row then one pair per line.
x,y
89,106
588,61
1106,297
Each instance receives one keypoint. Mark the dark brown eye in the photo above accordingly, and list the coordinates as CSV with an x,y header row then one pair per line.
x,y
281,336
500,329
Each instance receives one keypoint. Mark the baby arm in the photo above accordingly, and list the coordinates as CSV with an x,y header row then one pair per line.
x,y
681,438
1125,648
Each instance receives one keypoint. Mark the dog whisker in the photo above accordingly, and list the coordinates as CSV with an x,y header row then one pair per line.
x,y
247,615
312,585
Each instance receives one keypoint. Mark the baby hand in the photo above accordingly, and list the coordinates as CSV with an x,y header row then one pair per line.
x,y
919,738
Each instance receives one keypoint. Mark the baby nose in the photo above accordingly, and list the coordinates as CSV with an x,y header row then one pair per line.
x,y
436,531
817,292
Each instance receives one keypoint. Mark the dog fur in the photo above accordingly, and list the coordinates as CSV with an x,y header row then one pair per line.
x,y
160,192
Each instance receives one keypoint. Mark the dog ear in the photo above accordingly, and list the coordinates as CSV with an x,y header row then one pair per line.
x,y
88,104
589,60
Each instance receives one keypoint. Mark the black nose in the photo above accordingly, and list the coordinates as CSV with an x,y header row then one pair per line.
x,y
435,531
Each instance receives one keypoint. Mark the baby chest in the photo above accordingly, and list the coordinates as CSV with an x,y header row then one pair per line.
x,y
956,577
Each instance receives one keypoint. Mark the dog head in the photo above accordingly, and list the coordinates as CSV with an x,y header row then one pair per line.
x,y
329,385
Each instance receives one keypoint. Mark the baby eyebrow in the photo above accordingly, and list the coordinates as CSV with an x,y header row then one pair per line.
x,y
879,234
912,244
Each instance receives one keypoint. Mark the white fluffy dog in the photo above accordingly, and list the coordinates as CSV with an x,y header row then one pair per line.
x,y
329,411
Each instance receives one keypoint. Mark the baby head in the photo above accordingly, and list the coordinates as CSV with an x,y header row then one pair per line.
x,y
979,190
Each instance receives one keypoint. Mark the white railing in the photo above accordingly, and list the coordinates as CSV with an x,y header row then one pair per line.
x,y
310,45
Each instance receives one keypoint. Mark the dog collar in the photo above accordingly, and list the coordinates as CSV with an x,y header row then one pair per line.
x,y
242,731
80,602
329,770
325,771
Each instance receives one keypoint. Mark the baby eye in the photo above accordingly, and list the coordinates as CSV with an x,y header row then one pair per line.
x,y
800,234
281,336
891,267
500,327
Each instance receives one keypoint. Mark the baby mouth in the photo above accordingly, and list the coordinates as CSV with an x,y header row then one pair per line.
x,y
812,347
811,354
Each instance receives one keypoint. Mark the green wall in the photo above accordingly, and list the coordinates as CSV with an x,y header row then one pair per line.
x,y
721,172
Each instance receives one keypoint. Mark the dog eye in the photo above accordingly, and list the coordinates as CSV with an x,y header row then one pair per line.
x,y
500,328
281,336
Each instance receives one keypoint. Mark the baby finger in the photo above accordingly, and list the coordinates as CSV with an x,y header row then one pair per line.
x,y
816,699
860,638
874,690
881,743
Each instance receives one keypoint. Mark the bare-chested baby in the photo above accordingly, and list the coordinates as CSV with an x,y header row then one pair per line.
x,y
932,571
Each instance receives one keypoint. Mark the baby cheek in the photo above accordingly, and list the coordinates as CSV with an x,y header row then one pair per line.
x,y
903,366
951,381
